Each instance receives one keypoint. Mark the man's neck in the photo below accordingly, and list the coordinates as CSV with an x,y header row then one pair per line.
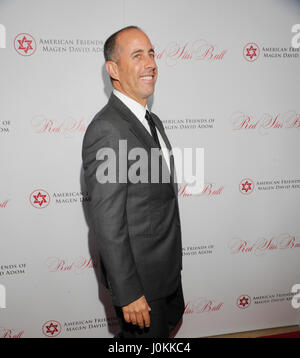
x,y
141,101
136,108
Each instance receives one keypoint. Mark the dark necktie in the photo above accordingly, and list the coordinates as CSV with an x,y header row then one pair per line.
x,y
152,127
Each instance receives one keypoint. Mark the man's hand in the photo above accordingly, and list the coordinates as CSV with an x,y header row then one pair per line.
x,y
137,312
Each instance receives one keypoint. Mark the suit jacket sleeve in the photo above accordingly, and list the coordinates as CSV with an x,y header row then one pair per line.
x,y
108,215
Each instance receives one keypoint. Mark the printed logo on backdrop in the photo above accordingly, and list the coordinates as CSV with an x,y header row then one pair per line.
x,y
90,324
54,328
251,52
3,204
10,333
248,186
26,45
197,250
68,127
202,305
209,190
74,46
4,126
189,124
78,266
262,246
174,52
265,123
245,301
12,270
40,198
51,328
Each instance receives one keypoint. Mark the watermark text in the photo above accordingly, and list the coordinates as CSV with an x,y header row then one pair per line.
x,y
2,36
296,299
2,297
296,37
138,165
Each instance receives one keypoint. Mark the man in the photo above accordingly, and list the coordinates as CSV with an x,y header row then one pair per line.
x,y
136,224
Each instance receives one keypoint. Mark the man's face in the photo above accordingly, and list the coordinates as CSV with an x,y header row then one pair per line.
x,y
136,70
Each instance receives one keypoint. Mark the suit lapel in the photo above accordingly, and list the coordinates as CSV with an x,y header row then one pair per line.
x,y
135,126
138,129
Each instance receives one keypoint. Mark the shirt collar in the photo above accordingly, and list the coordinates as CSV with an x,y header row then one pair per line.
x,y
136,108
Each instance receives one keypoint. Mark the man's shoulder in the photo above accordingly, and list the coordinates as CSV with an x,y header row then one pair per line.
x,y
107,114
107,117
106,122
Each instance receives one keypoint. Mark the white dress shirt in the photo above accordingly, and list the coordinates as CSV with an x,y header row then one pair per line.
x,y
139,111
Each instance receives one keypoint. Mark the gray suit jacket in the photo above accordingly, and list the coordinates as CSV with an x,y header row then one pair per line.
x,y
136,225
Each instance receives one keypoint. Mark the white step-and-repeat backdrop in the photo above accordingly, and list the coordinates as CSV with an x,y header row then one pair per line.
x,y
229,82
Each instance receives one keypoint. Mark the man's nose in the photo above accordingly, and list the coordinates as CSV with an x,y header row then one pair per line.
x,y
150,62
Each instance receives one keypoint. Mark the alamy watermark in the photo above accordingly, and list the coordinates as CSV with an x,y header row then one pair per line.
x,y
2,297
296,299
189,166
296,38
2,36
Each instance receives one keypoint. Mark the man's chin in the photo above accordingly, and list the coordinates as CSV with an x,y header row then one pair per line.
x,y
148,93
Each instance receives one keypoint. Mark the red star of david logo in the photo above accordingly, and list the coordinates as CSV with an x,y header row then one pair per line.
x,y
39,199
25,44
246,186
243,301
51,328
251,52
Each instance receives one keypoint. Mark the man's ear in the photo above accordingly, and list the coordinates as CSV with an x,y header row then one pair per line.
x,y
112,69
